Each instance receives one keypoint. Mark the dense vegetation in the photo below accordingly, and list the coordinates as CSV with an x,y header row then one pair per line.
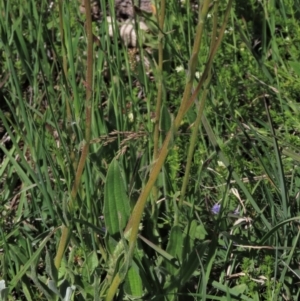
x,y
172,180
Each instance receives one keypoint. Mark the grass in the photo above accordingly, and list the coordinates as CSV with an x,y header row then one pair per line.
x,y
177,182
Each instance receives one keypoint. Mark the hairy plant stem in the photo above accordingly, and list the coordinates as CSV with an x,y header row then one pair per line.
x,y
85,150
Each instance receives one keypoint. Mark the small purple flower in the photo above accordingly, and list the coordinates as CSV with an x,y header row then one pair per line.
x,y
216,208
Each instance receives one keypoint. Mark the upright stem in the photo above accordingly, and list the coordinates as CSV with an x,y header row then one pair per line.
x,y
65,73
132,227
199,115
161,19
135,218
88,122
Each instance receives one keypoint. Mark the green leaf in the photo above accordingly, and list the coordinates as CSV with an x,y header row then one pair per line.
x,y
26,291
159,250
189,236
296,67
276,227
92,262
200,232
53,288
165,120
236,291
116,202
50,267
27,265
133,282
239,289
191,263
174,247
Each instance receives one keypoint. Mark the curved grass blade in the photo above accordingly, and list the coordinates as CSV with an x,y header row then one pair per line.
x,y
28,264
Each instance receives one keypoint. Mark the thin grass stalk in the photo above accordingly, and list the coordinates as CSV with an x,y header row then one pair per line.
x,y
186,103
161,20
85,150
136,215
215,25
193,61
282,182
64,54
135,218
199,116
193,143
211,57
132,227
65,76
249,46
62,36
237,178
139,207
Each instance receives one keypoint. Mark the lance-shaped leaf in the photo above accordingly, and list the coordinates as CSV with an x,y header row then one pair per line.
x,y
116,203
174,248
133,282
